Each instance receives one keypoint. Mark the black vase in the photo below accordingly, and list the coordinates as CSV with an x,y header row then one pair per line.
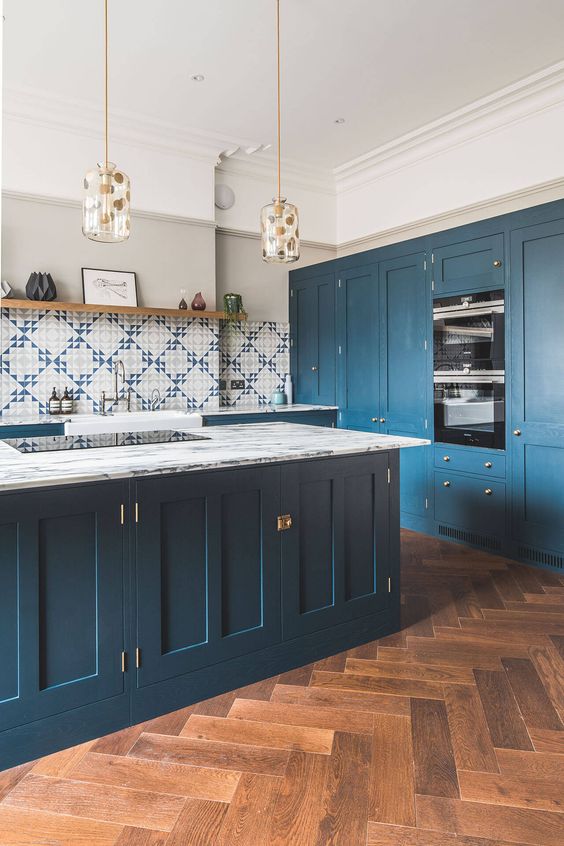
x,y
40,286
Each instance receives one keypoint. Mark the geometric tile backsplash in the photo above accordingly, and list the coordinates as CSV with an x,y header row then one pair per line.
x,y
183,357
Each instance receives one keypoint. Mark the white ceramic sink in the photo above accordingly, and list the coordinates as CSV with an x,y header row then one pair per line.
x,y
134,421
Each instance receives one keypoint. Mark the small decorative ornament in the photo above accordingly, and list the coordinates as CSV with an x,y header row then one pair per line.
x,y
6,290
40,286
198,303
183,305
233,308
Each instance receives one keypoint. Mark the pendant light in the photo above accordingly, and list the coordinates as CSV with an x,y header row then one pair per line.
x,y
280,234
105,204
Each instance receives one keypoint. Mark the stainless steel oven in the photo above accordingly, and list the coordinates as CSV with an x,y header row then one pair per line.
x,y
469,369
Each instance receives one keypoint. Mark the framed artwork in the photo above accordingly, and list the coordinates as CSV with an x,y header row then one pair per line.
x,y
109,287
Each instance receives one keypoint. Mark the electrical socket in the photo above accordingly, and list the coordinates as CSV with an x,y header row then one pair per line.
x,y
238,383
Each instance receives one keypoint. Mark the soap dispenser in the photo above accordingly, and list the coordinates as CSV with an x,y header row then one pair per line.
x,y
66,403
54,403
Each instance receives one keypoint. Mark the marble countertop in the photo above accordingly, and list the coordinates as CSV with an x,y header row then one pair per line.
x,y
265,409
42,419
224,446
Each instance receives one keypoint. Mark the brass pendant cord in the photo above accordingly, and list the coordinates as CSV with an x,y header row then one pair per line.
x,y
278,74
106,84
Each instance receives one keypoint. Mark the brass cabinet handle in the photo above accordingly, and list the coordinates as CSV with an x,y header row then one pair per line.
x,y
446,457
487,464
446,484
517,432
382,419
314,368
488,492
497,263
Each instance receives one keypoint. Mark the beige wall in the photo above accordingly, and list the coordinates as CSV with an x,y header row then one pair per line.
x,y
264,287
166,253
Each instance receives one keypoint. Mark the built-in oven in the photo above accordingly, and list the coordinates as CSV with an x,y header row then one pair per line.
x,y
470,410
469,369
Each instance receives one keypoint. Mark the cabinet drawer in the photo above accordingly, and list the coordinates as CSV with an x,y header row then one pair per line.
x,y
470,503
470,461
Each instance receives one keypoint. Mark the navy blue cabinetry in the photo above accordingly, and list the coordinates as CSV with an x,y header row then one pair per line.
x,y
61,617
336,560
358,331
208,569
312,319
476,264
537,381
405,372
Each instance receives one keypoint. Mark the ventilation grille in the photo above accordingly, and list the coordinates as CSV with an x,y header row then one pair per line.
x,y
539,556
470,537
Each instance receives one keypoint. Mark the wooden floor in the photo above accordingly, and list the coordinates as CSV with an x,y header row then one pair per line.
x,y
449,733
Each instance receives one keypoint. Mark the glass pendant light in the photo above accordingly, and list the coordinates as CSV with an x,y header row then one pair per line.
x,y
106,195
279,225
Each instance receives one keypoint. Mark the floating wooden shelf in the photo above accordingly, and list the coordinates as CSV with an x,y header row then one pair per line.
x,y
103,309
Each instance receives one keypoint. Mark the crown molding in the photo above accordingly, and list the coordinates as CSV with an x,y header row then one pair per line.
x,y
135,213
255,236
43,108
544,192
262,168
516,102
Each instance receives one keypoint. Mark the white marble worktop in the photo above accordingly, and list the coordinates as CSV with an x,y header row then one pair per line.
x,y
224,446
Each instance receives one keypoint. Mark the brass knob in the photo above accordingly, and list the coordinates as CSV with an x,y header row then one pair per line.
x,y
382,419
497,263
314,368
517,432
446,457
488,492
374,419
487,464
446,484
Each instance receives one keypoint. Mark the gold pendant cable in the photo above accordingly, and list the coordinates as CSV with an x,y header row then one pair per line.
x,y
278,72
106,84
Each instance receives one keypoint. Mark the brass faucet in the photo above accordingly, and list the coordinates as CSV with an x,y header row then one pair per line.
x,y
119,370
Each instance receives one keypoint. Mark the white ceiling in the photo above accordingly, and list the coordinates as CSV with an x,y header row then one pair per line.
x,y
386,66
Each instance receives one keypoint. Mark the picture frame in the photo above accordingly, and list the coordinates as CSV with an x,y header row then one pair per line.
x,y
109,287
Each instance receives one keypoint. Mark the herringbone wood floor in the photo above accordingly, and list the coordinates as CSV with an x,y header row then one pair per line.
x,y
448,733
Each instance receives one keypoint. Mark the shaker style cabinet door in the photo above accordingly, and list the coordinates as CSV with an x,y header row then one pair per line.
x,y
312,332
406,369
358,377
61,600
336,555
536,440
474,265
208,569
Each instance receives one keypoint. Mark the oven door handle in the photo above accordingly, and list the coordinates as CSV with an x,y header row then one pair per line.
x,y
449,314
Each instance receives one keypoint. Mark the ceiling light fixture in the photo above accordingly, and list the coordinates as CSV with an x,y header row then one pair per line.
x,y
105,204
280,234
197,77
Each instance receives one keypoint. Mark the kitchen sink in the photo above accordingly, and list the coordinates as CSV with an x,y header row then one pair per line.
x,y
132,421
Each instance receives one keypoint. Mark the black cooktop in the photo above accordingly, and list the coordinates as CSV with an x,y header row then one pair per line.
x,y
65,442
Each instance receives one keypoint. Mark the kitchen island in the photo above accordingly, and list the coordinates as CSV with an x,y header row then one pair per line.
x,y
135,580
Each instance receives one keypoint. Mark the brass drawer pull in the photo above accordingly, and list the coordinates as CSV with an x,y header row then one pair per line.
x,y
517,432
488,492
497,263
446,457
487,464
446,484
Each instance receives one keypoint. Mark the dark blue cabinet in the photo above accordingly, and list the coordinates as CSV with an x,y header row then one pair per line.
x,y
312,319
208,569
305,418
336,559
405,371
476,264
358,331
61,601
537,383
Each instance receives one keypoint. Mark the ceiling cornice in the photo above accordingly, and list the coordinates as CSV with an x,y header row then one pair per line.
x,y
42,108
516,102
